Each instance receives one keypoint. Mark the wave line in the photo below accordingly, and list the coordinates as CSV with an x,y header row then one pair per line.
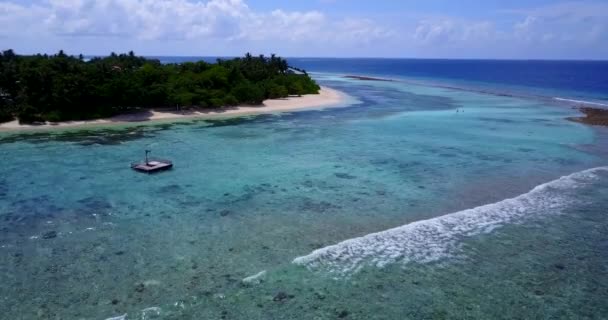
x,y
437,238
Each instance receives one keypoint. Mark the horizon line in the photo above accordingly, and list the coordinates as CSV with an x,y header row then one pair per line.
x,y
329,57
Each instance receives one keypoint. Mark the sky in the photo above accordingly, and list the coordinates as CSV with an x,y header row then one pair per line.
x,y
490,29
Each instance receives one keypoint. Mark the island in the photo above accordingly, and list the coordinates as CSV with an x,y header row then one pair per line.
x,y
66,90
593,116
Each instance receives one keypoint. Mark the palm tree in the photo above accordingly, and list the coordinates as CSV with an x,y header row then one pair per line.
x,y
283,66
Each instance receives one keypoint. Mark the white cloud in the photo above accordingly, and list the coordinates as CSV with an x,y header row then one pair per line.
x,y
282,25
145,19
229,20
580,23
18,19
564,30
432,32
450,31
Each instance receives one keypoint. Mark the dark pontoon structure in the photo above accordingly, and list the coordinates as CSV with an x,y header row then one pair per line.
x,y
151,165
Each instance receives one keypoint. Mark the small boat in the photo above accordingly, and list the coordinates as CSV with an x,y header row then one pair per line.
x,y
150,165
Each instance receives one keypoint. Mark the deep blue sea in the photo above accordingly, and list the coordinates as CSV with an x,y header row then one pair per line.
x,y
458,191
584,79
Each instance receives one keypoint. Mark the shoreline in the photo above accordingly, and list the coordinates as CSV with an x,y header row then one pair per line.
x,y
327,97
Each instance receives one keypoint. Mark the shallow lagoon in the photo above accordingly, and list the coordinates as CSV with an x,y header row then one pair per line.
x,y
82,236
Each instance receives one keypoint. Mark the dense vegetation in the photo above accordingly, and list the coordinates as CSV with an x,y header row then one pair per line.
x,y
61,87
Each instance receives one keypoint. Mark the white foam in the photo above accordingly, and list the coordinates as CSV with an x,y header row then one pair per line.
x,y
434,239
256,278
152,282
123,317
152,311
581,101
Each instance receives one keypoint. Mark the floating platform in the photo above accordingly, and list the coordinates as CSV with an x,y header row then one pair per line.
x,y
152,165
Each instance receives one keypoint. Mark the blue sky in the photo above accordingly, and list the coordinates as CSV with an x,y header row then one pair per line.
x,y
533,29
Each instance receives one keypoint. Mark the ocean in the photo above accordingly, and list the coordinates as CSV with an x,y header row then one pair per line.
x,y
458,191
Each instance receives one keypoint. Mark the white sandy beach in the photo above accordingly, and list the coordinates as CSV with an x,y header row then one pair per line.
x,y
327,97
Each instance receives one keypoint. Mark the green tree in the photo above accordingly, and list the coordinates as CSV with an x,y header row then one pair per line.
x,y
248,93
296,88
277,91
63,87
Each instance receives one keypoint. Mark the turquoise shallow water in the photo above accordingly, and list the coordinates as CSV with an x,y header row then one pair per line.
x,y
82,236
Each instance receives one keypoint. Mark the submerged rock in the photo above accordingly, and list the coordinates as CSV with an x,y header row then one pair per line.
x,y
345,176
50,235
52,268
140,287
282,296
172,188
343,314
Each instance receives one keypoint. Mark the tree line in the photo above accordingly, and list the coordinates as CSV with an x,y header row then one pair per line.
x,y
61,87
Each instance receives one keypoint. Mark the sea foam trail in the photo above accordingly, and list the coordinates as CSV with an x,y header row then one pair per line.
x,y
434,239
581,102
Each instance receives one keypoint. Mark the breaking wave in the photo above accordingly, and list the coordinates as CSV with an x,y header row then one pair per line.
x,y
437,238
584,102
